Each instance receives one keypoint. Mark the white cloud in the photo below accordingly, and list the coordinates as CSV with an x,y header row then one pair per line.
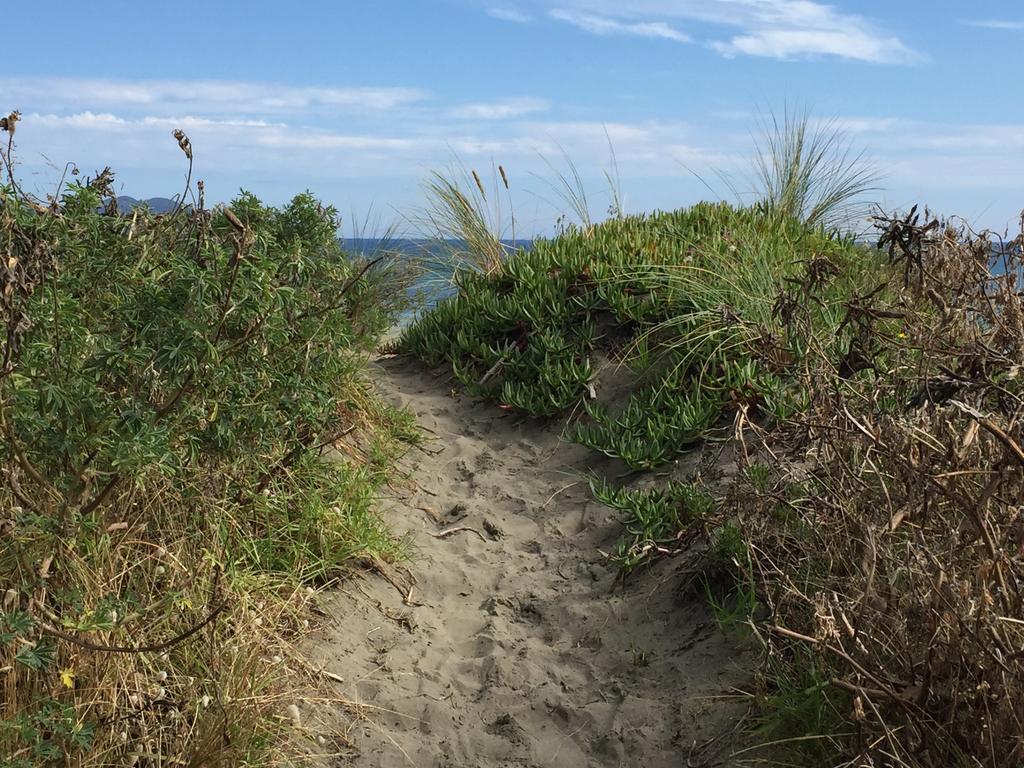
x,y
100,121
863,124
975,138
106,121
602,25
522,148
500,110
579,134
317,140
252,133
782,29
917,136
1001,24
174,96
797,43
652,148
509,14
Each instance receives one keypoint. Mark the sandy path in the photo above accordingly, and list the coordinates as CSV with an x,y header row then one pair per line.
x,y
519,648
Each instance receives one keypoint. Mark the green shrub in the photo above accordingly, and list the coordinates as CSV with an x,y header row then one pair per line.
x,y
169,385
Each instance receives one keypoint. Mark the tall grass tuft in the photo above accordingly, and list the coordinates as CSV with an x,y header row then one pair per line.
x,y
810,171
467,221
569,188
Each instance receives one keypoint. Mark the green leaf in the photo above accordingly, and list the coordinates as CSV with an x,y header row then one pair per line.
x,y
36,656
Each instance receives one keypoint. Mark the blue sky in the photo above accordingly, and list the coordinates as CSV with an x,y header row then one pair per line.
x,y
357,101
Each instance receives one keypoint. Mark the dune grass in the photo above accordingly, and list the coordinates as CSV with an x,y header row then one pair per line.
x,y
468,222
809,171
693,289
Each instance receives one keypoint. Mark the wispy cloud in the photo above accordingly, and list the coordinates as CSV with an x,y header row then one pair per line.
x,y
224,147
865,124
317,140
603,25
108,121
848,43
243,132
1009,25
509,14
174,96
500,110
909,134
237,145
780,29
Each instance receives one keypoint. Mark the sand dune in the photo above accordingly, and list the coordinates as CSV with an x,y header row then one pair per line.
x,y
510,642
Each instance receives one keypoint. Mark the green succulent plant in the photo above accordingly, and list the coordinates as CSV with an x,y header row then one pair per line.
x,y
654,518
690,300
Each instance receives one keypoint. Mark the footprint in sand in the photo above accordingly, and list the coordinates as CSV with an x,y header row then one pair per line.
x,y
520,655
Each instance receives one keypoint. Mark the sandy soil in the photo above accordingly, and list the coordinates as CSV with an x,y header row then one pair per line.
x,y
511,642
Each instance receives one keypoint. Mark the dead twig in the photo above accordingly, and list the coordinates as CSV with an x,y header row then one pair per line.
x,y
457,529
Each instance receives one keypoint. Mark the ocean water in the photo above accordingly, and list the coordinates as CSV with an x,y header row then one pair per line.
x,y
429,259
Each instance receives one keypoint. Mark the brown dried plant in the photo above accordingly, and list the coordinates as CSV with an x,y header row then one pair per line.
x,y
885,526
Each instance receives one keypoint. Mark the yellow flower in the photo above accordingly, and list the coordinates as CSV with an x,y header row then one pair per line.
x,y
67,676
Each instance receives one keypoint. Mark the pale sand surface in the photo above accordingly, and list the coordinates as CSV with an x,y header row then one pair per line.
x,y
521,648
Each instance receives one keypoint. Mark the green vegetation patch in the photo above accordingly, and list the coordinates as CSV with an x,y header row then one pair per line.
x,y
656,519
170,389
700,303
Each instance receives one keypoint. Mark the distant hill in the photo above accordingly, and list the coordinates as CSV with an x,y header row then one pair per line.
x,y
155,204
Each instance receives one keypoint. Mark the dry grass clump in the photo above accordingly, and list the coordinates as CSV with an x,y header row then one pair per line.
x,y
884,524
147,687
150,637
